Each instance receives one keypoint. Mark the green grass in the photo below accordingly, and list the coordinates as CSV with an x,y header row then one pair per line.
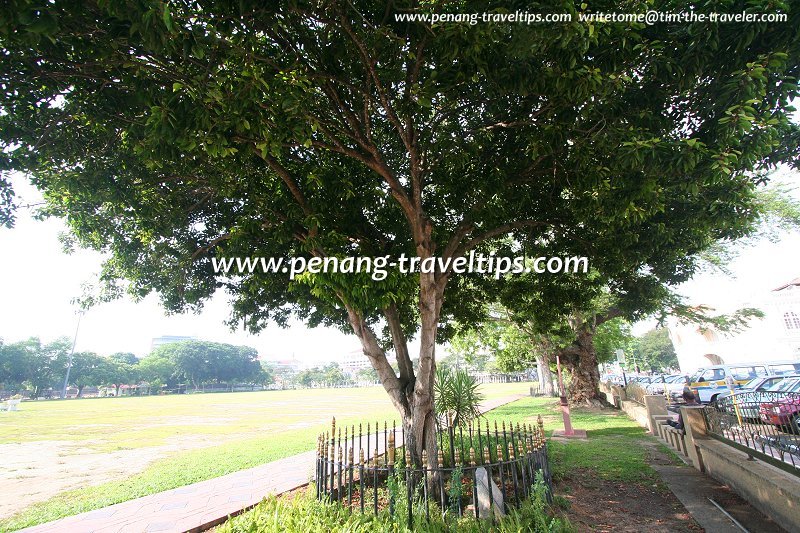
x,y
614,450
274,416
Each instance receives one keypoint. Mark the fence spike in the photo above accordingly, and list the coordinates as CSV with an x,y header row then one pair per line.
x,y
391,450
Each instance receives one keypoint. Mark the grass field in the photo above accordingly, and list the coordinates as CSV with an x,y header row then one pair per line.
x,y
615,454
223,433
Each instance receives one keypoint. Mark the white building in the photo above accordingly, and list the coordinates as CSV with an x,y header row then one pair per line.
x,y
353,362
775,337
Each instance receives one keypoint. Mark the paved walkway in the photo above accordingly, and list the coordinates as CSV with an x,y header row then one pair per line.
x,y
201,505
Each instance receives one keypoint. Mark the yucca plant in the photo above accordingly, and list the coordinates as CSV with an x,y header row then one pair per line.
x,y
456,396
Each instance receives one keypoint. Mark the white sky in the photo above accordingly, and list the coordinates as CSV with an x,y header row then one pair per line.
x,y
38,281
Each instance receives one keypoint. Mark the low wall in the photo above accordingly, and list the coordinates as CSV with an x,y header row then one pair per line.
x,y
614,394
771,490
637,412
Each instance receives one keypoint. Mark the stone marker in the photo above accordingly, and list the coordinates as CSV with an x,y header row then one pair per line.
x,y
483,482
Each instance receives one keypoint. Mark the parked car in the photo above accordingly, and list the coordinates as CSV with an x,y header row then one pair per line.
x,y
746,402
668,383
708,382
761,383
784,367
784,410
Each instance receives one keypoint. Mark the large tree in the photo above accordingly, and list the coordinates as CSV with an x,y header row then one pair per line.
x,y
205,362
172,133
654,350
34,365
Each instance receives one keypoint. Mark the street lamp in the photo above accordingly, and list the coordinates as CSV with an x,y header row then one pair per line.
x,y
71,353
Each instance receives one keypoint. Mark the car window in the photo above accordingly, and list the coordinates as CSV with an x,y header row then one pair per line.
x,y
787,368
783,385
752,384
712,374
769,382
740,373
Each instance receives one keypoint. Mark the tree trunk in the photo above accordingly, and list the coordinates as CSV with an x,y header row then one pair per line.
x,y
412,395
80,391
545,376
581,360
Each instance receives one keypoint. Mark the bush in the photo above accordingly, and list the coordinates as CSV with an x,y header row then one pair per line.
x,y
305,513
456,396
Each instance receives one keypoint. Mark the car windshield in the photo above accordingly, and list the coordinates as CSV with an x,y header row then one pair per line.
x,y
784,385
753,383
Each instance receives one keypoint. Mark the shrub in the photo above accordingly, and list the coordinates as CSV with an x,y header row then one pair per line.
x,y
305,513
456,396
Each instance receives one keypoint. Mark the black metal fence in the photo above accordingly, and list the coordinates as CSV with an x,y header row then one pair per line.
x,y
765,425
479,471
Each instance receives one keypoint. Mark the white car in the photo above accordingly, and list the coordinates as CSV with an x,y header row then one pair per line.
x,y
670,383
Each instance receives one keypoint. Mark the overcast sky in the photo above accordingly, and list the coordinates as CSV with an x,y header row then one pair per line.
x,y
38,281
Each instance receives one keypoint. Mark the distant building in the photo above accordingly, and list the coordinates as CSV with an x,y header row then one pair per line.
x,y
353,362
775,337
169,339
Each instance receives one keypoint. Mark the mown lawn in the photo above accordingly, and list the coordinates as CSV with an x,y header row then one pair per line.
x,y
614,448
259,427
616,452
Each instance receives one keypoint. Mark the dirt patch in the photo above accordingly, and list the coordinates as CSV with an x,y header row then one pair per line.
x,y
600,505
36,471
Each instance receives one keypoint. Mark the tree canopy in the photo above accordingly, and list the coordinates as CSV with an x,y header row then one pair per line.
x,y
31,363
200,362
654,351
171,133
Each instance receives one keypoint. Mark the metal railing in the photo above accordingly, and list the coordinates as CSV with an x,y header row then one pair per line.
x,y
765,425
366,472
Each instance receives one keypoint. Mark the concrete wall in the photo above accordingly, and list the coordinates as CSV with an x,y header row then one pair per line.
x,y
771,490
637,412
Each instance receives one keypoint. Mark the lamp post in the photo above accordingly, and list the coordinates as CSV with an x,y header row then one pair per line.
x,y
71,353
